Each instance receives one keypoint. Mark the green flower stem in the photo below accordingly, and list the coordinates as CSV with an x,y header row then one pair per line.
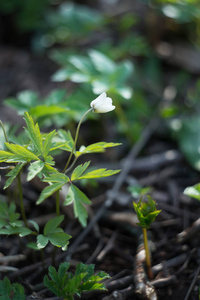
x,y
21,199
4,132
75,140
148,260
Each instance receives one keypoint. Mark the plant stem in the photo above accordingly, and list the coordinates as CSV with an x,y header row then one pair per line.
x,y
75,140
148,260
21,200
4,132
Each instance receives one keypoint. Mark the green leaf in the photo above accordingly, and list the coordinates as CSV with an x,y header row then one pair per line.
x,y
18,291
52,224
73,283
5,288
44,110
99,173
98,147
61,75
49,161
78,171
24,231
60,239
35,225
65,284
52,286
82,268
24,101
33,246
66,137
63,267
35,168
10,291
16,159
102,62
82,63
53,274
4,155
77,197
193,191
13,174
21,151
70,197
48,191
48,143
34,133
57,177
42,241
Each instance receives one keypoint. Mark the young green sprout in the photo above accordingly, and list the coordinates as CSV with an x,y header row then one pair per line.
x,y
146,213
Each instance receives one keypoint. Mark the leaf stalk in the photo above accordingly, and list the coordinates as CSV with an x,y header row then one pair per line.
x,y
75,139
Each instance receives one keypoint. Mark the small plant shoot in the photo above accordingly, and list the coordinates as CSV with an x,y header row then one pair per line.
x,y
146,212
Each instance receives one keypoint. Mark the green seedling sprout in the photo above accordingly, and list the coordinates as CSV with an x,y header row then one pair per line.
x,y
146,213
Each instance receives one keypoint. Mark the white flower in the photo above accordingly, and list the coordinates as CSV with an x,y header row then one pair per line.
x,y
102,104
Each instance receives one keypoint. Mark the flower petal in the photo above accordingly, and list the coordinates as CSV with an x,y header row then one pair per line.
x,y
99,100
102,104
104,109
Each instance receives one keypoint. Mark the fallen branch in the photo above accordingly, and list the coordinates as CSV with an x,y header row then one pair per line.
x,y
188,233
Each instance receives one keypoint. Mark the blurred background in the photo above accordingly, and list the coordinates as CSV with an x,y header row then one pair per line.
x,y
56,56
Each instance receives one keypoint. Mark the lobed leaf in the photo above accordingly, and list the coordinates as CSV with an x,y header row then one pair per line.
x,y
45,110
4,155
48,142
67,138
21,151
52,224
99,173
98,147
59,239
52,286
57,177
34,133
48,191
78,171
77,197
35,168
13,174
42,241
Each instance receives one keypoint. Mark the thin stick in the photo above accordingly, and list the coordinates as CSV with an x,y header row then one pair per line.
x,y
192,284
